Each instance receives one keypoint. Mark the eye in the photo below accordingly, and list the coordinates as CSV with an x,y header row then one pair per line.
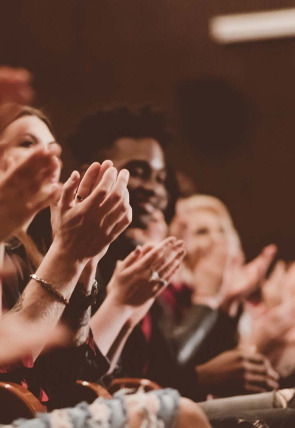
x,y
201,231
27,143
136,171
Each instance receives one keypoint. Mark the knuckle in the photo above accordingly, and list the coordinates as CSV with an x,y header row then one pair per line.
x,y
116,197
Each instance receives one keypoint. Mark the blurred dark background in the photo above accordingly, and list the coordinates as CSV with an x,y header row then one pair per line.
x,y
232,107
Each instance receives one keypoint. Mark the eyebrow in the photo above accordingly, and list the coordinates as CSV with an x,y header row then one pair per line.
x,y
36,140
140,162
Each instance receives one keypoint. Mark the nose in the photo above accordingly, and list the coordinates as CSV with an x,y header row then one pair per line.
x,y
150,186
54,148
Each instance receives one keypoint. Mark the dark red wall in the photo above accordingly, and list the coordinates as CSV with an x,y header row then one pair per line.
x,y
88,53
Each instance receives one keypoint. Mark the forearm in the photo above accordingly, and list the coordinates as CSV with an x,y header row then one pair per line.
x,y
37,304
77,315
111,325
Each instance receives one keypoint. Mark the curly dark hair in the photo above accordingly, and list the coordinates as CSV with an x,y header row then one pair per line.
x,y
98,132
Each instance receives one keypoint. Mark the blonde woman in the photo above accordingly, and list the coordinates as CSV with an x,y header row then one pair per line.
x,y
215,281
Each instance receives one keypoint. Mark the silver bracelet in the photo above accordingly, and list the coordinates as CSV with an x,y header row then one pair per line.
x,y
49,287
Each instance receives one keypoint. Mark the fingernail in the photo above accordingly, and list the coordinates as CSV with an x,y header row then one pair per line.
x,y
125,173
74,175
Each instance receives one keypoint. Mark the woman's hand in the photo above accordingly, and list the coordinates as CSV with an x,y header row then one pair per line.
x,y
240,280
25,188
84,227
273,286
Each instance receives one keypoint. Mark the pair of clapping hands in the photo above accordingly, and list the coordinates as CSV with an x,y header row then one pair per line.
x,y
91,214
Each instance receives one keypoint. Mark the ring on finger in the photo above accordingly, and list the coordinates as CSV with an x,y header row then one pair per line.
x,y
163,282
79,198
155,276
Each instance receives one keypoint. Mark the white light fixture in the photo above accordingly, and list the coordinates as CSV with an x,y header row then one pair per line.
x,y
254,26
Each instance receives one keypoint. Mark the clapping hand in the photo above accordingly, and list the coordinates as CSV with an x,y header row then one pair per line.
x,y
240,280
26,188
85,224
144,274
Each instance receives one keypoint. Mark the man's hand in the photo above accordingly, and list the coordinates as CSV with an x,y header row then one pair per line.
x,y
237,372
132,283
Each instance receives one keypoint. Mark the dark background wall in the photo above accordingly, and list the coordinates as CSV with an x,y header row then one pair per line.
x,y
232,106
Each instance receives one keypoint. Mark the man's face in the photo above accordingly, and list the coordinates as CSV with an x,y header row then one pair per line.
x,y
144,159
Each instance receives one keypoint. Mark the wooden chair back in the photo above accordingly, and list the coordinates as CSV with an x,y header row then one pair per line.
x,y
17,402
89,391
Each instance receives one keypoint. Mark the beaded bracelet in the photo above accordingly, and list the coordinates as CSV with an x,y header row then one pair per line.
x,y
49,287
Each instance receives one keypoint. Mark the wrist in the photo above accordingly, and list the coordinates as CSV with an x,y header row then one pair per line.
x,y
66,255
210,301
60,270
88,275
117,306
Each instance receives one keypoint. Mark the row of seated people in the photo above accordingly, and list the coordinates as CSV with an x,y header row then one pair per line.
x,y
104,279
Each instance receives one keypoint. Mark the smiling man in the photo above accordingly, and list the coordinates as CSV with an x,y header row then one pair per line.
x,y
133,140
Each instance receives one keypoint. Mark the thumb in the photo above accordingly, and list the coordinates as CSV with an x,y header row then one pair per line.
x,y
68,191
56,194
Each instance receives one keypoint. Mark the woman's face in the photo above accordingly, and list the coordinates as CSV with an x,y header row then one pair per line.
x,y
23,135
203,231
